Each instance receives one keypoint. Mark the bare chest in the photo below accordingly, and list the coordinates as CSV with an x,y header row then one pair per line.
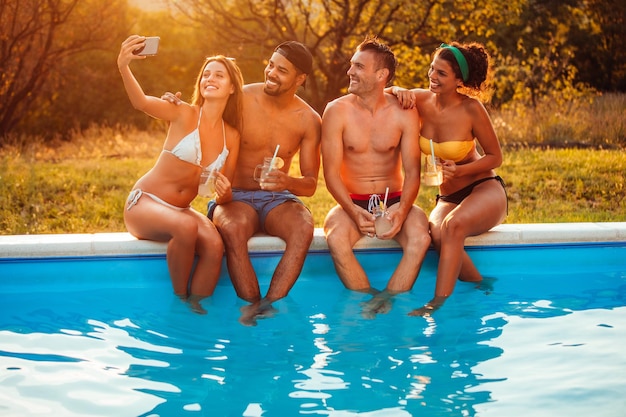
x,y
263,131
376,135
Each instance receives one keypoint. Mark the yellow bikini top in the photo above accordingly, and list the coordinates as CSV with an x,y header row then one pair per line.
x,y
455,150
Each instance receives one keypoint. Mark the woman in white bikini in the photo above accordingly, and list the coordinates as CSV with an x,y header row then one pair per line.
x,y
201,135
472,197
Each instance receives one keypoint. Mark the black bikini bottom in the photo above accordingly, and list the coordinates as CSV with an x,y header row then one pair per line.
x,y
458,196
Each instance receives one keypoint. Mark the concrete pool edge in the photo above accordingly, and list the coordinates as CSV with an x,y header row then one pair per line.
x,y
122,243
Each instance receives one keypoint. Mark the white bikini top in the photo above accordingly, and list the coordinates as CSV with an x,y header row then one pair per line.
x,y
189,149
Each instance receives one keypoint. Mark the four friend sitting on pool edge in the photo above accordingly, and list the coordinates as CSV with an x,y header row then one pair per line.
x,y
349,140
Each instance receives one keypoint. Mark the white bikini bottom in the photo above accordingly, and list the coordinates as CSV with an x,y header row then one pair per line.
x,y
136,194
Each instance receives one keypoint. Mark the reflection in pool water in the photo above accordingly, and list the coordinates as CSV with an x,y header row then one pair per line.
x,y
107,338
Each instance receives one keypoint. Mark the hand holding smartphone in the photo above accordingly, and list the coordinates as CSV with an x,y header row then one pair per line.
x,y
150,47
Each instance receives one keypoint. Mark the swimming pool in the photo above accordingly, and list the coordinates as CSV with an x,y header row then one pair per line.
x,y
97,332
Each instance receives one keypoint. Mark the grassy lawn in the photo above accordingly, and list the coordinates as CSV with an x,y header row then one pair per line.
x,y
75,194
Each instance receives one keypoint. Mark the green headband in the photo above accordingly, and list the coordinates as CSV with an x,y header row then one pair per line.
x,y
460,59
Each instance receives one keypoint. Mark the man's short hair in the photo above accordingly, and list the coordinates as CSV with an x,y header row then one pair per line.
x,y
384,56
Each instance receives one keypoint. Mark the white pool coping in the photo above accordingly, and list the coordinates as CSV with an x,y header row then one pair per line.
x,y
108,244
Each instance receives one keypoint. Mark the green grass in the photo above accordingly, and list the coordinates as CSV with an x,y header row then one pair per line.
x,y
565,185
87,196
80,185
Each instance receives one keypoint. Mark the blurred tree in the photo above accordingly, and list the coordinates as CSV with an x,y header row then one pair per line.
x,y
599,37
536,54
560,49
71,80
58,71
182,50
333,29
37,36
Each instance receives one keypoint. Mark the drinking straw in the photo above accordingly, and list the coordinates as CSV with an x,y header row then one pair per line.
x,y
432,151
385,202
274,157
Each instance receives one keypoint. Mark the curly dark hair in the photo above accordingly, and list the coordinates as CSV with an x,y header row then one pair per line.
x,y
478,63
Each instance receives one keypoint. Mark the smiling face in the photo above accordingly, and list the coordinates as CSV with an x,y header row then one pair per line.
x,y
281,76
363,72
215,81
441,76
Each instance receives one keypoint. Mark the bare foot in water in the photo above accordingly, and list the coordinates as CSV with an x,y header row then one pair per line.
x,y
194,303
424,311
380,303
486,285
260,310
429,308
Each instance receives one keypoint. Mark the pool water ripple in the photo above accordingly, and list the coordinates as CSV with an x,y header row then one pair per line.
x,y
134,350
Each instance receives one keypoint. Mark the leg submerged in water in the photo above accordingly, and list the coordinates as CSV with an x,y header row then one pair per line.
x,y
259,310
194,303
380,303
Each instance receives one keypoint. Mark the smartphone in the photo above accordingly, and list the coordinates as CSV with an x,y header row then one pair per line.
x,y
150,48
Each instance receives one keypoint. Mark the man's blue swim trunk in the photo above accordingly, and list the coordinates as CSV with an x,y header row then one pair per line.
x,y
260,200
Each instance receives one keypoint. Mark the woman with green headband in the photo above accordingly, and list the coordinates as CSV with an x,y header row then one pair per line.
x,y
472,198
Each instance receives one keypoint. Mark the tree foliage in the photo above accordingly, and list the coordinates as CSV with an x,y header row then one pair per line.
x,y
37,37
333,29
57,57
552,49
58,63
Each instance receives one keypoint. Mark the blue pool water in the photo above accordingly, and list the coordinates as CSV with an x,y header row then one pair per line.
x,y
106,337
